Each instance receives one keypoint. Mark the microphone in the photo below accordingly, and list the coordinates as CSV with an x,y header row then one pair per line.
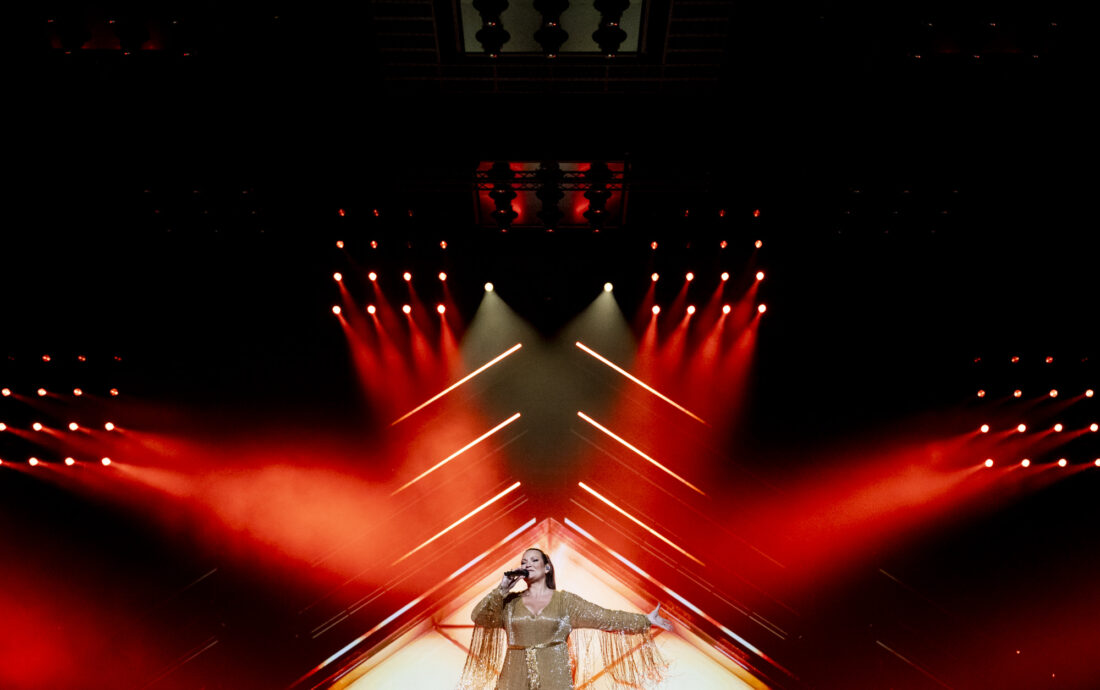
x,y
515,573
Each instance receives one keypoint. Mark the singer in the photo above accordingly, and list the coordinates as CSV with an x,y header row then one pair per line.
x,y
544,639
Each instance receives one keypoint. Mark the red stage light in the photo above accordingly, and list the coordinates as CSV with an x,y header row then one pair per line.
x,y
1096,462
37,426
1017,393
441,309
762,308
760,275
1088,394
759,244
652,245
691,309
41,392
1058,427
654,277
1062,462
78,392
443,244
372,276
105,462
339,244
1,462
607,287
442,276
341,212
1094,426
756,213
114,391
1054,392
1049,359
721,213
407,276
723,244
406,308
73,426
5,392
981,393
374,244
689,277
1022,428
1015,358
1025,463
488,287
337,276
371,309
3,426
726,309
375,212
984,428
109,426
725,276
32,461
70,462
656,310
336,310
45,358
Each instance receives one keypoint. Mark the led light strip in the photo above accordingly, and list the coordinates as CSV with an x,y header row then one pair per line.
x,y
643,455
455,454
639,522
462,519
456,384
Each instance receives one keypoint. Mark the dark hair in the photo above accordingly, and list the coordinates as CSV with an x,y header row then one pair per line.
x,y
550,575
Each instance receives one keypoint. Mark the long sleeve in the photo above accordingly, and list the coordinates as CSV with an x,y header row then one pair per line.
x,y
489,612
487,644
617,643
585,614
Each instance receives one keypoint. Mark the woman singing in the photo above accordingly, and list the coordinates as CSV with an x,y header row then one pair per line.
x,y
531,631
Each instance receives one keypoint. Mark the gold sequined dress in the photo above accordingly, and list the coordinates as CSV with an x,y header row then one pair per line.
x,y
569,641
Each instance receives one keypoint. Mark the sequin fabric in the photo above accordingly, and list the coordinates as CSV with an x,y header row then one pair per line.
x,y
567,643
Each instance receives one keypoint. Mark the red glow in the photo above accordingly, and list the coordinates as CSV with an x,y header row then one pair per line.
x,y
375,212
372,276
656,310
442,276
762,308
1015,358
407,276
36,426
760,275
406,308
105,462
984,428
981,393
691,309
638,522
371,309
443,244
1017,393
1088,394
32,462
1058,427
336,310
725,276
1054,392
339,244
1062,462
5,392
689,277
73,426
374,244
70,462
109,426
1049,359
759,244
3,426
721,213
989,462
78,392
41,392
653,245
441,309
1022,428
341,212
723,244
45,358
726,309
1025,463
114,391
653,277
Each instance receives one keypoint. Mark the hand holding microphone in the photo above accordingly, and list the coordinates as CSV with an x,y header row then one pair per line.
x,y
511,577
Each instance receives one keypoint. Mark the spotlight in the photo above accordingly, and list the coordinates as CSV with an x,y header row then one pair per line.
x,y
337,276
7,391
105,462
691,309
607,287
372,276
371,309
407,309
723,244
1017,393
1088,394
45,358
407,276
1094,426
339,244
1049,359
374,243
1062,462
488,287
1015,359
114,391
443,244
336,310
760,275
759,244
725,276
1096,462
984,428
653,277
109,426
1022,428
81,358
442,276
1054,392
32,461
73,426
41,392
726,309
70,462
981,393
1058,427
689,277
656,310
37,426
1025,463
78,392
653,245
441,309
3,426
762,308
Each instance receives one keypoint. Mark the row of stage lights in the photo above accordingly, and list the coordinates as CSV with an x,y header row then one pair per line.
x,y
1053,393
1058,428
69,462
1026,462
608,287
723,244
73,426
42,392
